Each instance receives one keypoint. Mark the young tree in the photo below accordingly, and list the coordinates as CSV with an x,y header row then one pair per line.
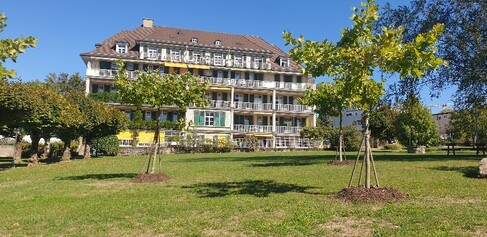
x,y
383,123
153,89
11,48
329,101
360,51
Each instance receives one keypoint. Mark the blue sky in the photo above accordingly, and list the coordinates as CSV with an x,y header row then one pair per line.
x,y
67,28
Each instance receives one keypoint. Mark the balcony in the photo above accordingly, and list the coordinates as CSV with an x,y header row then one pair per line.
x,y
293,108
252,128
219,104
110,73
216,81
252,106
288,129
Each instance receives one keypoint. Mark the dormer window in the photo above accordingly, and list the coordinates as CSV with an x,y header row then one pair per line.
x,y
194,40
218,42
122,48
284,62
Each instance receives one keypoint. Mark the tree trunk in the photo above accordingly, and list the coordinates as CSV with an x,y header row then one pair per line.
x,y
18,150
340,139
367,150
67,151
45,149
157,143
34,159
87,154
81,146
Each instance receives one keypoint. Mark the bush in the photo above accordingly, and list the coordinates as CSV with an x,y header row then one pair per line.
x,y
105,146
393,147
351,137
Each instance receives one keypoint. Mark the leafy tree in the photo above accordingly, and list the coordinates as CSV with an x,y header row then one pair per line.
x,y
383,123
153,89
416,126
353,60
329,101
73,123
11,48
64,83
352,138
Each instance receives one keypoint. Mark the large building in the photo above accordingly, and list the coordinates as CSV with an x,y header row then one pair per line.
x,y
443,120
254,86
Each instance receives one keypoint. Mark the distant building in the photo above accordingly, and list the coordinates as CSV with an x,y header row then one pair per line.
x,y
443,121
351,117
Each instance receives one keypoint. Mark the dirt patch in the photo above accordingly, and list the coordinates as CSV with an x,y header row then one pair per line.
x,y
351,227
150,178
342,162
373,194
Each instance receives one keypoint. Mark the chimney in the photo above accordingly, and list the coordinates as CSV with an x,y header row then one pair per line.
x,y
147,23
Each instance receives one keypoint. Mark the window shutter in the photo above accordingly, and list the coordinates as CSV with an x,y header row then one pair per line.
x,y
277,77
215,73
214,96
281,121
202,118
222,119
251,98
246,97
216,119
264,120
225,74
196,119
247,76
225,96
201,72
299,79
264,99
303,122
291,100
232,74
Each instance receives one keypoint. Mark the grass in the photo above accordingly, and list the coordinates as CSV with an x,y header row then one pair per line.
x,y
242,194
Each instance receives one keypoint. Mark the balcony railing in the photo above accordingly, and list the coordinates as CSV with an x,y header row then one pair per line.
x,y
252,128
288,129
110,73
293,108
252,106
219,104
218,81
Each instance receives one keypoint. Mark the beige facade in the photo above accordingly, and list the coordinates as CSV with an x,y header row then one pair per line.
x,y
254,86
443,121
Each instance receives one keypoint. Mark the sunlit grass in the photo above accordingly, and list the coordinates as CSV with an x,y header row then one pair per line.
x,y
242,194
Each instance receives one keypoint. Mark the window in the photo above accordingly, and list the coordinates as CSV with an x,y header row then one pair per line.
x,y
284,62
175,55
257,62
151,53
218,42
194,40
218,59
148,115
197,57
209,118
237,60
121,48
163,116
128,114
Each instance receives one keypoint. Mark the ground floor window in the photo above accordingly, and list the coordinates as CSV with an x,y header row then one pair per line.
x,y
209,118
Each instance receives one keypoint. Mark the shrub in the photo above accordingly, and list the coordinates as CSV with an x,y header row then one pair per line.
x,y
105,146
351,137
393,147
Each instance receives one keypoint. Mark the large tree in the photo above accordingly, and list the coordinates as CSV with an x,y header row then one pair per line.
x,y
155,90
383,123
353,60
416,126
65,83
11,48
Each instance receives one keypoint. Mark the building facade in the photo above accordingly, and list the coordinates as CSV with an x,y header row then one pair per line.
x,y
443,121
350,117
253,86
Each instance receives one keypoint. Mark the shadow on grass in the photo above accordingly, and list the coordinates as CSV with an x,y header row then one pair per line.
x,y
467,171
7,163
257,188
281,164
99,176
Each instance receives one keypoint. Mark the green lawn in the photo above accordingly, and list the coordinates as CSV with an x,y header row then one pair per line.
x,y
242,194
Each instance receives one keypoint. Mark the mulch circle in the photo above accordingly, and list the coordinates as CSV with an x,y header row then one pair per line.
x,y
150,178
343,162
373,194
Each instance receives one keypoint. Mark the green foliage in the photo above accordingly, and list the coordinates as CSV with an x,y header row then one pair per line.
x,y
469,126
105,97
393,147
189,145
316,133
383,123
416,126
105,146
11,48
351,138
64,83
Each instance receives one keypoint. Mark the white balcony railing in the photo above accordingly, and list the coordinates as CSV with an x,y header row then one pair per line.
x,y
252,106
288,129
110,73
293,108
252,128
219,104
218,81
